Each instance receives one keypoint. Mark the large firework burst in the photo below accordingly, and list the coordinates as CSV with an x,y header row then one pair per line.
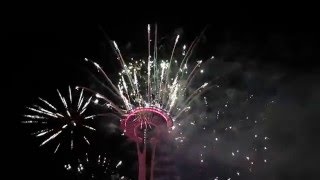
x,y
161,84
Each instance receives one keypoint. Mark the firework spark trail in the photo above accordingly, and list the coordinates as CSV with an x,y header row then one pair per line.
x,y
70,94
89,127
155,54
86,139
124,66
194,70
149,65
187,55
43,112
99,96
44,132
46,102
35,117
105,76
51,138
47,111
55,151
62,121
79,100
170,60
84,108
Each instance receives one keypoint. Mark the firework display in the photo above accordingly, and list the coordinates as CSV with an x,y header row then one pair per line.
x,y
67,120
158,99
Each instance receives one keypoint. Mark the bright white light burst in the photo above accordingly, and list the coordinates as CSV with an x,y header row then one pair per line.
x,y
63,119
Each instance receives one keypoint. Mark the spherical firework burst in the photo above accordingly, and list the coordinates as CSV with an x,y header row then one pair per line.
x,y
66,122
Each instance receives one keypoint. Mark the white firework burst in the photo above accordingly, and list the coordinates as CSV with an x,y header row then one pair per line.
x,y
66,120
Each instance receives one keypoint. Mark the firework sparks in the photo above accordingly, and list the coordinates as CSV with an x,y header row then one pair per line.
x,y
95,166
158,83
165,85
61,120
153,92
156,87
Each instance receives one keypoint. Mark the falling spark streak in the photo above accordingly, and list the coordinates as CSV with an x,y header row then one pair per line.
x,y
46,102
44,133
90,117
190,50
113,105
33,122
119,164
79,100
124,66
105,75
71,144
89,127
127,99
183,110
195,93
55,151
155,68
84,108
149,65
35,117
51,138
64,103
96,115
43,112
38,132
87,141
194,70
62,99
70,94
169,67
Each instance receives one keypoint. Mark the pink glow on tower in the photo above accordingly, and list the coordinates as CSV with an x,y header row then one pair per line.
x,y
146,126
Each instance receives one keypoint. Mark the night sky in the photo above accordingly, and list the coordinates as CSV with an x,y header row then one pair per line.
x,y
46,51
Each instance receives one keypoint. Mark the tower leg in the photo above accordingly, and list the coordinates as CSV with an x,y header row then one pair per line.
x,y
142,162
152,160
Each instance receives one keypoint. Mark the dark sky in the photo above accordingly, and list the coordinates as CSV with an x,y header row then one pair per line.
x,y
45,52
